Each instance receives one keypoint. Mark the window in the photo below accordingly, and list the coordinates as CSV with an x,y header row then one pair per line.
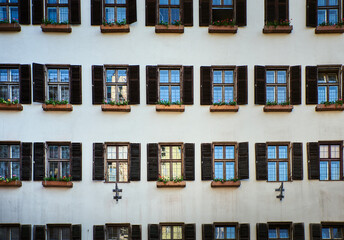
x,y
57,11
115,11
10,160
332,232
276,86
171,232
221,10
169,11
117,163
9,83
9,233
223,86
169,85
58,84
171,159
117,232
279,232
224,161
9,10
330,161
328,11
278,162
58,160
225,232
328,85
116,85
276,11
59,233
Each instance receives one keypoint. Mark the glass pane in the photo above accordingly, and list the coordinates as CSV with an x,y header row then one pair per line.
x,y
122,152
282,152
229,94
174,2
229,152
323,151
53,233
63,1
322,95
63,14
122,93
14,93
230,170
165,170
14,75
111,233
52,75
218,170
164,95
321,77
4,151
228,2
177,232
326,234
333,16
111,172
164,76
54,152
332,2
3,92
272,171
229,77
52,1
272,152
14,233
217,94
163,2
64,75
15,169
123,172
270,94
15,151
333,93
270,76
110,76
323,170
3,13
272,233
163,15
120,1
337,232
3,73
3,169
13,14
321,16
166,230
321,2
109,1
216,2
110,15
123,233
177,170
122,76
335,170
65,171
53,93
284,233
332,78
335,151
230,233
52,14
121,14
175,76
219,232
283,171
65,152
175,14
218,152
176,152
217,76
111,152
281,77
281,94
165,152
175,91
53,169
111,93
65,93
65,232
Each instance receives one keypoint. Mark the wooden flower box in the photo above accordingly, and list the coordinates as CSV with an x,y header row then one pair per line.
x,y
66,28
331,107
222,29
230,184
115,108
224,108
115,28
61,107
277,29
11,107
170,108
10,27
171,184
169,29
16,183
278,108
57,184
329,29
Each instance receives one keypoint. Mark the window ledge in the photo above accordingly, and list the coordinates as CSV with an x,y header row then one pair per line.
x,y
224,108
57,184
329,29
115,28
169,29
116,108
171,184
66,28
170,108
229,184
11,107
331,107
278,108
62,107
277,29
223,29
16,183
10,27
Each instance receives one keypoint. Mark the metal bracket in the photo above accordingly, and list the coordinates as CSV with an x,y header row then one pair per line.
x,y
281,190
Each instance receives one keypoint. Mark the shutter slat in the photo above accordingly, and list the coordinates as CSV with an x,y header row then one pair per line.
x,y
206,86
75,12
260,85
153,232
295,85
243,161
37,12
98,161
190,231
261,161
189,161
135,162
26,162
311,85
25,232
152,162
97,85
188,98
311,13
313,160
152,84
76,85
262,231
270,11
76,162
134,84
136,232
98,232
39,232
132,11
242,85
96,12
24,12
315,231
244,231
188,13
38,83
298,231
241,13
207,161
297,161
25,84
39,158
207,232
150,12
204,12
76,232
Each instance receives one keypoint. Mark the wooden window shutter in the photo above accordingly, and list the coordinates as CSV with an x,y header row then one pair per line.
x,y
190,231
96,12
295,85
242,85
76,162
243,161
134,84
270,10
283,10
207,232
315,231
76,232
98,232
25,232
262,231
151,9
240,12
24,12
298,231
297,158
37,12
75,12
152,84
188,13
25,84
261,162
136,233
204,12
244,231
206,86
26,162
207,161
76,84
39,232
311,13
313,160
135,162
132,11
98,161
311,85
259,85
39,160
188,98
97,85
189,161
38,82
152,161
153,232
343,77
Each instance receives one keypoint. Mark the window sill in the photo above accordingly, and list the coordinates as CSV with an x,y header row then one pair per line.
x,y
66,28
278,108
223,29
57,184
170,108
229,184
277,29
10,27
116,108
10,184
329,29
11,107
62,107
171,184
331,107
224,108
115,28
169,29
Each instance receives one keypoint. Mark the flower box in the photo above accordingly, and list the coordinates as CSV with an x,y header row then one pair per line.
x,y
66,28
329,29
331,107
171,184
278,108
223,29
277,29
61,107
11,107
115,28
224,108
10,27
226,184
57,184
115,108
16,183
169,29
170,108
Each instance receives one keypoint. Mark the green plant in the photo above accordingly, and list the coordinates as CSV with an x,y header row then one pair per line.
x,y
5,20
337,102
338,24
176,23
226,180
168,103
63,179
220,103
224,22
166,179
177,179
9,101
47,21
163,179
13,178
111,23
56,102
163,23
118,103
276,23
274,103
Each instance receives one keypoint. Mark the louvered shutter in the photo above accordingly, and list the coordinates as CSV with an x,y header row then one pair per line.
x,y
313,160
207,232
132,10
98,232
190,231
152,84
188,13
76,232
297,161
38,83
97,85
298,231
152,161
261,161
98,161
76,84
311,13
135,162
295,85
189,161
26,162
25,84
262,231
270,10
134,84
25,232
76,162
75,12
260,85
24,12
244,231
153,232
207,161
242,85
39,159
37,12
315,231
96,12
243,161
311,85
188,98
136,232
39,232
241,12
151,12
206,86
204,12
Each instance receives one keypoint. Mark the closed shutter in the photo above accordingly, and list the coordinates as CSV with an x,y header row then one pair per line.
x,y
150,12
39,160
282,10
244,231
25,84
188,13
270,10
261,161
311,13
96,12
242,85
189,161
313,160
136,232
132,11
98,161
98,232
241,12
204,12
297,161
243,161
262,231
134,84
76,85
76,162
190,231
24,12
298,231
38,83
207,232
206,86
152,84
26,162
315,231
97,85
295,85
135,162
39,232
76,232
343,78
188,98
37,12
259,85
311,85
25,232
207,161
153,232
75,12
152,161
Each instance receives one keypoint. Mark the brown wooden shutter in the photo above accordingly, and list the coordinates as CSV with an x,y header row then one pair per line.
x,y
311,13
282,10
132,10
189,161
37,12
262,231
98,161
135,162
39,232
76,232
295,85
207,232
206,86
204,12
134,84
76,84
313,160
188,91
75,12
39,161
24,12
244,231
315,231
97,85
297,158
343,78
152,84
98,232
311,85
188,13
38,83
242,85
207,161
151,8
152,161
261,162
76,162
243,161
153,232
240,12
25,232
96,12
190,231
270,11
260,85
136,232
26,162
25,84
298,231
